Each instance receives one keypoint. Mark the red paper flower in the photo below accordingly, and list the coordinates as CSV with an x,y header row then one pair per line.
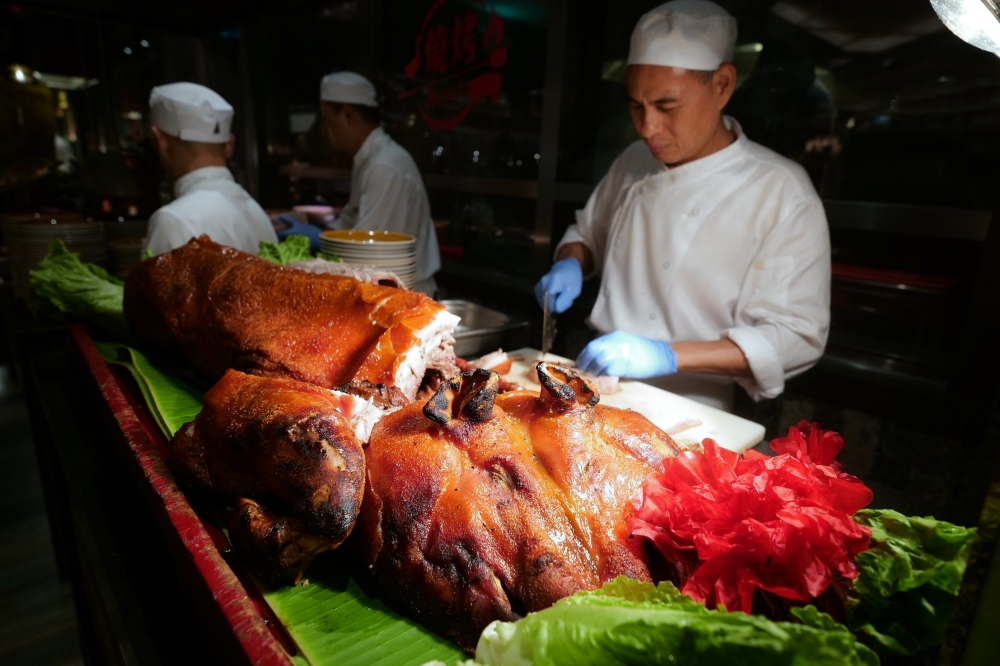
x,y
810,444
731,525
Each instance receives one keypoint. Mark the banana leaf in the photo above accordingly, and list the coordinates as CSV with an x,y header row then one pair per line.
x,y
331,618
171,400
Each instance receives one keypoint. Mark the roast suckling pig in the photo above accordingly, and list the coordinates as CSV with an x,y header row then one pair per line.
x,y
482,507
223,308
287,457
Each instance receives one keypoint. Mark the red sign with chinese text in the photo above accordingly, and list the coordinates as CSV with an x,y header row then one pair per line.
x,y
455,63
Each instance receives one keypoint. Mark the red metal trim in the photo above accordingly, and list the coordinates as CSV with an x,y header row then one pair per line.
x,y
155,436
881,275
231,598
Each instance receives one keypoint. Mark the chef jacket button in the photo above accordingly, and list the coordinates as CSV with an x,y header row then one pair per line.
x,y
652,315
607,292
666,264
618,242
694,212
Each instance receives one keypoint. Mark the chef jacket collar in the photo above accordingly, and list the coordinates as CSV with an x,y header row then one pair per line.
x,y
369,147
712,162
190,180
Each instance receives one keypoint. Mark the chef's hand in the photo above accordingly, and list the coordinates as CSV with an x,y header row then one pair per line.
x,y
622,354
299,228
563,282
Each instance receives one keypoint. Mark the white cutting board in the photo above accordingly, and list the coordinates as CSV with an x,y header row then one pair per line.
x,y
686,420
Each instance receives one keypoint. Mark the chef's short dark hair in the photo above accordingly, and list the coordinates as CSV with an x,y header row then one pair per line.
x,y
703,75
370,114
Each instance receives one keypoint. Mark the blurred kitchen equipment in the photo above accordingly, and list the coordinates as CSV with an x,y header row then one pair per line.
x,y
321,216
125,254
32,238
481,329
125,228
24,254
903,277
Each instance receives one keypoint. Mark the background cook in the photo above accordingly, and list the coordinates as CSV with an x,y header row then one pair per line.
x,y
387,192
713,251
191,127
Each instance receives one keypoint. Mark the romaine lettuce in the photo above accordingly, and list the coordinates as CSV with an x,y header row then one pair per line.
x,y
631,622
293,248
909,580
81,289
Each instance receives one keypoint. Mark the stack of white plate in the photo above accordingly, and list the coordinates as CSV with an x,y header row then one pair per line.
x,y
10,224
388,250
32,238
122,228
125,253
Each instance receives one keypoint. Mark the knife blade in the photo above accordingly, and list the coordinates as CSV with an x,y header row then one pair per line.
x,y
548,327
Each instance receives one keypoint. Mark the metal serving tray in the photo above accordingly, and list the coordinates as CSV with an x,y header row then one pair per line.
x,y
481,329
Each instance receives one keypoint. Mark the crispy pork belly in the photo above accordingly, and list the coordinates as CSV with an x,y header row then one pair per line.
x,y
482,506
293,447
360,272
223,308
380,395
434,350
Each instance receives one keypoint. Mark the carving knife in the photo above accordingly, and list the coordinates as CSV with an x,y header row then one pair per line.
x,y
548,327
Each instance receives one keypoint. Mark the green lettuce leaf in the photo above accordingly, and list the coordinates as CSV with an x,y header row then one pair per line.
x,y
631,622
81,289
909,580
293,248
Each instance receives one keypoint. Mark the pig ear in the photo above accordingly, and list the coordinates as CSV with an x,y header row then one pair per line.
x,y
564,389
470,395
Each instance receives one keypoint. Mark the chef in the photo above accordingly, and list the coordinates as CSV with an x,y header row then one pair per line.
x,y
387,192
713,251
191,124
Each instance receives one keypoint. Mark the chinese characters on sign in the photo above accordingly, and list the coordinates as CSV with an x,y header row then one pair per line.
x,y
457,55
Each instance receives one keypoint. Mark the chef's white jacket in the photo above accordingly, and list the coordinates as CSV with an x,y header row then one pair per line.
x,y
209,201
734,245
387,194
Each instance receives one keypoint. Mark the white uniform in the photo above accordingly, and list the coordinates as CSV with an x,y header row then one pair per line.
x,y
387,194
209,201
734,245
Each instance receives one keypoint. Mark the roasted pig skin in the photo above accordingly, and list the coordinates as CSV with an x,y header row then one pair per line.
x,y
223,308
282,442
277,547
482,507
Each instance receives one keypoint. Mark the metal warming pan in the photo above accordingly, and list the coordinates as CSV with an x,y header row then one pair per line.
x,y
481,330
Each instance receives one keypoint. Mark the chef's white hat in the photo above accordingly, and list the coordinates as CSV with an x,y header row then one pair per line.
x,y
690,34
191,112
347,88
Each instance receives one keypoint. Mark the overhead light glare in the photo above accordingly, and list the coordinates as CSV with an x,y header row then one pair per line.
x,y
61,82
21,74
974,21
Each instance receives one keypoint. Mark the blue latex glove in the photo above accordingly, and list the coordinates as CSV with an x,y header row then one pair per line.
x,y
563,282
297,228
622,354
